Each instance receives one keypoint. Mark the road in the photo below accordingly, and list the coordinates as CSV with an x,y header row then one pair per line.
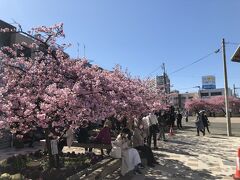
x,y
218,125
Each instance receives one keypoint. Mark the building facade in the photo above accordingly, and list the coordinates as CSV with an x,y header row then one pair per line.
x,y
178,99
163,82
208,93
208,82
10,38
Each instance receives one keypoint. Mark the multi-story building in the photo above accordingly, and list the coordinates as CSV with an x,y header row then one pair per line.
x,y
209,88
10,38
207,93
178,99
163,82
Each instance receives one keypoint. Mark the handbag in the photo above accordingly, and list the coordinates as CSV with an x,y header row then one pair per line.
x,y
116,152
208,123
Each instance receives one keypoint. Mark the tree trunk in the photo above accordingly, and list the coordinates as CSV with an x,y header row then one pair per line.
x,y
223,111
49,150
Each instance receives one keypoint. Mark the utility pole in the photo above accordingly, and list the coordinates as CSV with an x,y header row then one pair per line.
x,y
234,90
77,50
164,77
228,120
84,51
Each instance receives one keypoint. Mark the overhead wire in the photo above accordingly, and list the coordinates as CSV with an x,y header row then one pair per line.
x,y
188,65
233,43
155,70
185,88
196,61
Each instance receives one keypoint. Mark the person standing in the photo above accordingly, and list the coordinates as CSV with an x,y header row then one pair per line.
x,y
179,120
162,124
199,123
205,122
82,133
145,128
138,143
186,114
172,116
153,129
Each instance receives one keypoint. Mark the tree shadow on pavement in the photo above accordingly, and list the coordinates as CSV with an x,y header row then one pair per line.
x,y
188,127
217,137
175,151
168,169
176,170
221,134
179,142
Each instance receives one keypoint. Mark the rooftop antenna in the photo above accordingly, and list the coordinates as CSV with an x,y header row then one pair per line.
x,y
77,50
19,25
84,49
84,54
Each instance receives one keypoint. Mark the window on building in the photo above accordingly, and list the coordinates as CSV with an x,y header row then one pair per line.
x,y
204,94
216,93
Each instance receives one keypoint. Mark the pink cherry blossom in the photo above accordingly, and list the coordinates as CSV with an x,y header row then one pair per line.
x,y
50,90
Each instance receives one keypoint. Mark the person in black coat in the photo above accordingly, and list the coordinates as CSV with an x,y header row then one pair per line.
x,y
179,120
162,118
172,116
82,134
205,121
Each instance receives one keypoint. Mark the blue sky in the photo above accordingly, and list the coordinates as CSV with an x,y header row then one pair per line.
x,y
142,34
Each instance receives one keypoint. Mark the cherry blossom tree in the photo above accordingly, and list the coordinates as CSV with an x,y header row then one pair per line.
x,y
218,103
51,90
195,105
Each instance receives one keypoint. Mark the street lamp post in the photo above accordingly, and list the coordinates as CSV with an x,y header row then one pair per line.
x,y
228,120
199,93
234,90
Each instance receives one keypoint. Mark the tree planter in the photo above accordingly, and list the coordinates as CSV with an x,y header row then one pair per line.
x,y
18,143
35,166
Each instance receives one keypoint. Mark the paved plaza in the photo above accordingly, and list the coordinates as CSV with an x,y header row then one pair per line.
x,y
183,156
191,157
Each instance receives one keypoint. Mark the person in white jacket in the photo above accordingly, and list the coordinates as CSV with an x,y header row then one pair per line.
x,y
130,156
153,129
145,123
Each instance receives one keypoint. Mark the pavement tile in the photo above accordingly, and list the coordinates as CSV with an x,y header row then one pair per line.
x,y
185,156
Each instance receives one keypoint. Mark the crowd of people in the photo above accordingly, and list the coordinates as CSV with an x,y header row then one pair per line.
x,y
137,138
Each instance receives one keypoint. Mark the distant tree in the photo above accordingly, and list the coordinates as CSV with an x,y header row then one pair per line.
x,y
218,103
195,105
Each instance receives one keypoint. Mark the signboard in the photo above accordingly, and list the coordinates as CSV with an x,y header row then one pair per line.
x,y
236,56
208,82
